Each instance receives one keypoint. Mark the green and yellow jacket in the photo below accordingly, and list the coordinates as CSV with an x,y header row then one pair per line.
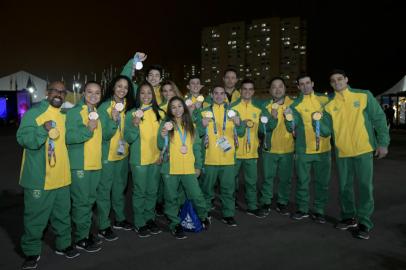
x,y
178,163
303,108
278,139
248,111
113,131
38,171
213,154
84,146
353,117
142,139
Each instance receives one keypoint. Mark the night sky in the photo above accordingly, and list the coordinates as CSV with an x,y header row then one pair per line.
x,y
52,38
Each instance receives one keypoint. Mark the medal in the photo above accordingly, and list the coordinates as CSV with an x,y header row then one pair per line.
x,y
249,123
138,113
93,116
316,116
189,102
183,149
53,133
200,98
231,113
168,126
264,119
208,114
136,62
289,117
275,106
119,107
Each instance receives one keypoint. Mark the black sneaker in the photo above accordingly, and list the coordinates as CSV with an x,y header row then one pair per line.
x,y
300,215
362,232
87,245
318,218
206,223
143,231
282,209
31,262
259,213
266,208
152,227
108,234
345,224
95,239
230,221
123,225
178,232
69,252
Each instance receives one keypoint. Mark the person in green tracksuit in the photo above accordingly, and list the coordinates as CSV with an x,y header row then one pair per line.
x,y
110,192
278,149
250,113
312,151
168,90
180,147
140,131
220,134
358,125
84,141
45,176
153,74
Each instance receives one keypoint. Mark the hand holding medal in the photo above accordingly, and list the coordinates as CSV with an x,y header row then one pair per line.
x,y
137,115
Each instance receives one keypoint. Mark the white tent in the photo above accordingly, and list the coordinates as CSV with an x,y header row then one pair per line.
x,y
23,80
399,87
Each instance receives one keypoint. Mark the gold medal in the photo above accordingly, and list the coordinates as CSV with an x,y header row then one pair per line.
x,y
183,149
275,106
249,123
289,117
200,98
53,133
316,116
208,114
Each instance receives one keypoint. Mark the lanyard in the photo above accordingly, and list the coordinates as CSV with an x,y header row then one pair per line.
x,y
317,135
224,119
51,149
182,136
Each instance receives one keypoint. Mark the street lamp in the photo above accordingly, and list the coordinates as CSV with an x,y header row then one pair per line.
x,y
76,89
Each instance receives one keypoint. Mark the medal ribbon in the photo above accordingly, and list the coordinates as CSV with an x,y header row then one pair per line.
x,y
51,149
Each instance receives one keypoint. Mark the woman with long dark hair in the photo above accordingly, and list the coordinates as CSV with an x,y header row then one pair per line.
x,y
182,161
110,192
140,131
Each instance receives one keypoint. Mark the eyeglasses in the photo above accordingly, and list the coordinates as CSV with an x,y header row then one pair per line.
x,y
61,92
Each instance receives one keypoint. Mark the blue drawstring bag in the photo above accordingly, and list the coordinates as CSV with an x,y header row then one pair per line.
x,y
188,218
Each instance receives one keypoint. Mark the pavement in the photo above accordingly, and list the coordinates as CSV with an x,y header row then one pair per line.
x,y
275,242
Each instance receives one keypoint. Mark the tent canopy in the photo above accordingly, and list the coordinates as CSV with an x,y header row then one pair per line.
x,y
23,80
396,89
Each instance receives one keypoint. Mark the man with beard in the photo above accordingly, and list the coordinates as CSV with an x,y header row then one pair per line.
x,y
46,184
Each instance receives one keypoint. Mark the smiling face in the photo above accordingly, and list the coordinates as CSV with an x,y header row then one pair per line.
x,y
56,94
154,77
177,109
120,89
168,92
146,94
92,94
194,86
247,91
339,82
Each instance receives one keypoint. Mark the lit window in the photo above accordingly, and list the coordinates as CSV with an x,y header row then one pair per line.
x,y
268,39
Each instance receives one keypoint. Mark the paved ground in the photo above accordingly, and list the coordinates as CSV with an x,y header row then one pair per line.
x,y
275,242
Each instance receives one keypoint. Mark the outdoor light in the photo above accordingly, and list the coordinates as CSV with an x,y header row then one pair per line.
x,y
31,89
